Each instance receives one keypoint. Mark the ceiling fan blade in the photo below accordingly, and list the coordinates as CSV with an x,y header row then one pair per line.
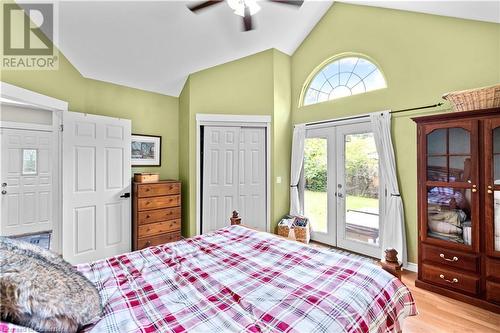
x,y
204,5
247,20
297,3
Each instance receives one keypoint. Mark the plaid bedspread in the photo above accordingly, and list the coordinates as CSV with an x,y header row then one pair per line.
x,y
239,280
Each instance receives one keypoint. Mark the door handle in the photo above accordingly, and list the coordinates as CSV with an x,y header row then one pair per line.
x,y
4,184
340,195
125,195
4,192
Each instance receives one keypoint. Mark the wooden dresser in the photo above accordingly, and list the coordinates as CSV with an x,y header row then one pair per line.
x,y
156,217
459,206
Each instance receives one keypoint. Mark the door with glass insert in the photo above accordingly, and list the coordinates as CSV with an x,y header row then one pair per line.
x,y
452,185
318,179
492,185
358,190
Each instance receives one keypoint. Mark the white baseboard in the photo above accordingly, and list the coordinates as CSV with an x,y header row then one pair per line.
x,y
411,267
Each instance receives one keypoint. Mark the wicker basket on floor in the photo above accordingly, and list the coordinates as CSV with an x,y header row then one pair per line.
x,y
283,230
474,99
303,234
298,233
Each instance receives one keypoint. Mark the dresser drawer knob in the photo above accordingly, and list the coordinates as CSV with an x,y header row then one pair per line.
x,y
455,280
448,259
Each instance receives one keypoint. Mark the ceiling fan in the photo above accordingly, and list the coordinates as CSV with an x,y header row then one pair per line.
x,y
243,8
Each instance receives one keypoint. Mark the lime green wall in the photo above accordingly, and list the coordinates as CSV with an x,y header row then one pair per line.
x,y
184,157
239,87
422,57
256,85
151,113
282,136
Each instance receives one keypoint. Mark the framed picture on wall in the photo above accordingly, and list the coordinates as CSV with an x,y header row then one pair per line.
x,y
146,150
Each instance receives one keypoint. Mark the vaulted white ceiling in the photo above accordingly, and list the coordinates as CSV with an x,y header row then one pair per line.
x,y
155,45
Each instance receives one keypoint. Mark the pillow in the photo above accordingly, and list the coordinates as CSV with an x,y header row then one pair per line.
x,y
42,291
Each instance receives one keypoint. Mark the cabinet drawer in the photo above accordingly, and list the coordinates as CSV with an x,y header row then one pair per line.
x,y
158,240
450,279
493,268
159,228
451,258
159,202
152,190
158,215
493,291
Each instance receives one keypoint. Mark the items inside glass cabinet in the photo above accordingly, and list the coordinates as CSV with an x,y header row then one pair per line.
x,y
448,212
449,207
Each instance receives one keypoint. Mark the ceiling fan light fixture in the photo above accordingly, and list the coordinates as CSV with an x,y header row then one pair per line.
x,y
238,6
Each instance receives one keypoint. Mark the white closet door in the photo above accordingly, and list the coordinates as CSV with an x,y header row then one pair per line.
x,y
27,177
96,181
252,177
220,176
234,176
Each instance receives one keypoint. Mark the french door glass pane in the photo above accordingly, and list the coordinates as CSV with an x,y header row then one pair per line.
x,y
448,214
361,188
315,174
449,155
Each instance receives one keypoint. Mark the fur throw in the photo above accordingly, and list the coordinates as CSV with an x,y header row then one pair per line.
x,y
40,290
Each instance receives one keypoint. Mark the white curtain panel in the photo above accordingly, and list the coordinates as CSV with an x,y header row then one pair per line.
x,y
393,232
299,135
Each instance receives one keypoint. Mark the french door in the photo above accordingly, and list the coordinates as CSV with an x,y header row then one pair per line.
x,y
343,187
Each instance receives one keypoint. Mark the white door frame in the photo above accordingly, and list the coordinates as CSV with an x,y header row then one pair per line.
x,y
232,120
14,95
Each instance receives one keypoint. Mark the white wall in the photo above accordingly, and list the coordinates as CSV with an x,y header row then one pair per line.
x,y
25,115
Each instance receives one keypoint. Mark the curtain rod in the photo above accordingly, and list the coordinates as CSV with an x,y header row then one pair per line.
x,y
367,115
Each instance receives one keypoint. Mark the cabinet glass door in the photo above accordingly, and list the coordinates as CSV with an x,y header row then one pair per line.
x,y
492,185
451,184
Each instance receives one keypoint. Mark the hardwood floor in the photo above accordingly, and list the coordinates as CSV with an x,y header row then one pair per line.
x,y
439,314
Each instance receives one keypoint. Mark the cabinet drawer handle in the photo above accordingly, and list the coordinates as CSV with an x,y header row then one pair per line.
x,y
455,280
447,259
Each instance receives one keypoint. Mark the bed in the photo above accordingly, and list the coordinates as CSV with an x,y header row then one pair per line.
x,y
240,280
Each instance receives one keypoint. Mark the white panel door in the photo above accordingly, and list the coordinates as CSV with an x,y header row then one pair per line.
x,y
220,176
252,177
27,176
96,187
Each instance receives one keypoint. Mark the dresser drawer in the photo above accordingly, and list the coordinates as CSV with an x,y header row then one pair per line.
x,y
493,291
158,240
451,258
450,279
158,215
153,190
159,228
158,202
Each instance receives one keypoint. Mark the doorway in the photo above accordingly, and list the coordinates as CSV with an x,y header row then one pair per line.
x,y
233,171
342,186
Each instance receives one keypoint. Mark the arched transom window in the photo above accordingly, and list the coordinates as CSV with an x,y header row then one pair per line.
x,y
344,77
